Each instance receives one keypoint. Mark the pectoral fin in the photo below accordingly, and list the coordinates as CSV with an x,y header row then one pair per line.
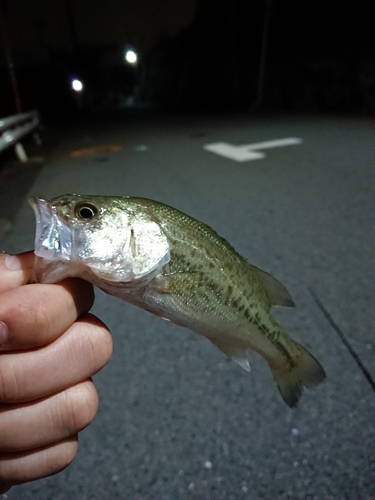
x,y
176,283
237,354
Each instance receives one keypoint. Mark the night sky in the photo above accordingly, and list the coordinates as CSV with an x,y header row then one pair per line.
x,y
317,56
38,26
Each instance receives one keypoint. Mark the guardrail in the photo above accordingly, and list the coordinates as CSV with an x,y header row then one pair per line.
x,y
14,128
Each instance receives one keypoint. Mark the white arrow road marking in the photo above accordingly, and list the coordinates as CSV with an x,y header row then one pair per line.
x,y
247,152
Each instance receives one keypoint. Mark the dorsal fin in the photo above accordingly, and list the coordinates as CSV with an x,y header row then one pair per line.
x,y
278,294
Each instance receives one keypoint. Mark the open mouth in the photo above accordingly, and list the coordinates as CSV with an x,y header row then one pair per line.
x,y
53,238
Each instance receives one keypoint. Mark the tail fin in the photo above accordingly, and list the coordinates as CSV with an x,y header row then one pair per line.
x,y
307,373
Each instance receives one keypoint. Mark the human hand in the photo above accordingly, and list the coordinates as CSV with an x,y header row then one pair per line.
x,y
49,348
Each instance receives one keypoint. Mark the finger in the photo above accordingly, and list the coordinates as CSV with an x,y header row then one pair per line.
x,y
75,356
21,467
15,270
49,420
34,315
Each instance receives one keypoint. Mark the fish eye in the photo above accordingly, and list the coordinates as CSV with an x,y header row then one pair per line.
x,y
86,210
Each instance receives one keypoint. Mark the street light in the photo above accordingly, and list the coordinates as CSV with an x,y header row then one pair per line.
x,y
130,56
77,85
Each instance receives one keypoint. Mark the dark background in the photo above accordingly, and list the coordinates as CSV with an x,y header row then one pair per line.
x,y
193,55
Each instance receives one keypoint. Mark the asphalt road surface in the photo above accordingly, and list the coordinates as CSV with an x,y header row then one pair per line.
x,y
177,420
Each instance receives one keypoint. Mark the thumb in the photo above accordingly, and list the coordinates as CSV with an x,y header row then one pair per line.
x,y
15,270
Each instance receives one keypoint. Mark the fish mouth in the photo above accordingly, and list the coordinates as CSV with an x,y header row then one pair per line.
x,y
53,237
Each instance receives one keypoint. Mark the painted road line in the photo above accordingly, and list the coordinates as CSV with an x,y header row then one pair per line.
x,y
248,152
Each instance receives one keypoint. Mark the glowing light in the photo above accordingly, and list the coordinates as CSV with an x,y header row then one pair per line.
x,y
77,85
131,56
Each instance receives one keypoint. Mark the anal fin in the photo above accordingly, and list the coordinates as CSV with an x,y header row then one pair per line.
x,y
237,354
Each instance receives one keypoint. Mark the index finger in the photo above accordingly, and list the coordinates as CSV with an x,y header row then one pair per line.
x,y
37,314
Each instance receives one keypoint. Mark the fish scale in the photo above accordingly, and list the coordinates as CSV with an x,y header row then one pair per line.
x,y
176,267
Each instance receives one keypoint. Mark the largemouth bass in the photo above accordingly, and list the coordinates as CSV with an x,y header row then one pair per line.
x,y
160,259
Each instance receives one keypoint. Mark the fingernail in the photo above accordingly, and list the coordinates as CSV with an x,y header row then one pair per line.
x,y
19,262
13,263
4,334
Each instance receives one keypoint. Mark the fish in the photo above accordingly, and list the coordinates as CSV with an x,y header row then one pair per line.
x,y
178,268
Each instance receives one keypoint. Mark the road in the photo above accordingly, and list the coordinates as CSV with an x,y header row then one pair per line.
x,y
177,420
